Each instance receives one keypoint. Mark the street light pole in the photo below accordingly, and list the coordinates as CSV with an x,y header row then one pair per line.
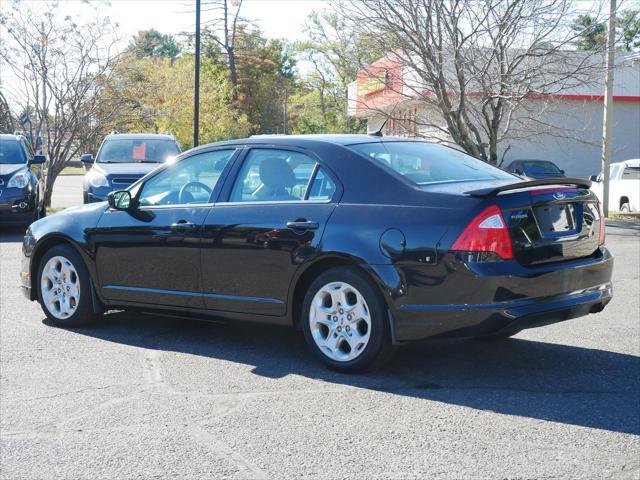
x,y
608,106
196,96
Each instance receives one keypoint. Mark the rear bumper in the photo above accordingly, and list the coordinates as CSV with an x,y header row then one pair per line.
x,y
489,298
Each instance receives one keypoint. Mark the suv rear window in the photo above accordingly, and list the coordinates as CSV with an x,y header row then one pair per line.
x,y
425,163
138,150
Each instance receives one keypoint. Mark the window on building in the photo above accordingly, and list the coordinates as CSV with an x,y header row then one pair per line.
x,y
402,124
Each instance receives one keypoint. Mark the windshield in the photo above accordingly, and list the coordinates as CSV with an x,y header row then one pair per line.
x,y
425,163
143,150
12,152
540,168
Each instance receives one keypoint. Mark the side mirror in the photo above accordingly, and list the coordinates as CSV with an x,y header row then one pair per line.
x,y
517,171
594,178
562,172
38,160
86,158
119,200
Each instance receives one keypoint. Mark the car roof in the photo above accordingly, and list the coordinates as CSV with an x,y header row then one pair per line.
x,y
10,136
310,140
139,136
538,160
632,162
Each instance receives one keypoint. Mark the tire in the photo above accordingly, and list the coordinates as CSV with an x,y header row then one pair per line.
x,y
625,207
70,308
344,320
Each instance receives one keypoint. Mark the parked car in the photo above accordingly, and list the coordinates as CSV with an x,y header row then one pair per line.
x,y
624,186
535,169
21,182
381,242
122,159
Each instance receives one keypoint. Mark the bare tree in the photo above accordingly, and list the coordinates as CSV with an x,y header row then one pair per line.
x,y
336,51
225,19
6,118
476,65
60,70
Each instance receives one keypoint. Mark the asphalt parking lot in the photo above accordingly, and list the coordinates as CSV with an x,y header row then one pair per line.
x,y
67,191
151,397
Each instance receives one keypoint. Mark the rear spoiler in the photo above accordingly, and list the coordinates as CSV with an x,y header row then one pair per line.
x,y
492,191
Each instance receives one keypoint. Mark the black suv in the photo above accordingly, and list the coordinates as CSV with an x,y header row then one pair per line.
x,y
21,182
122,159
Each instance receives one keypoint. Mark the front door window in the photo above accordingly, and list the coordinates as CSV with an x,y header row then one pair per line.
x,y
188,182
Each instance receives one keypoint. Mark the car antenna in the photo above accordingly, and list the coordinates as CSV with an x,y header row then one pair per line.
x,y
378,133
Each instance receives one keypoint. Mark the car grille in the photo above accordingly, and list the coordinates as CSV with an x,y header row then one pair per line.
x,y
124,180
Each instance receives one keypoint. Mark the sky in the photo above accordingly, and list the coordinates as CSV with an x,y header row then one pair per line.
x,y
276,18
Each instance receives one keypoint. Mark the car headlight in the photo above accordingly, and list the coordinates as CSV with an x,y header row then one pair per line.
x,y
19,180
96,179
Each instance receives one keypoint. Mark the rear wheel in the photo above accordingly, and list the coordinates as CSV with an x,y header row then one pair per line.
x,y
344,320
64,288
625,207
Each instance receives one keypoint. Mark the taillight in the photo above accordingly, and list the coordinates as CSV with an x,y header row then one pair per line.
x,y
486,233
601,233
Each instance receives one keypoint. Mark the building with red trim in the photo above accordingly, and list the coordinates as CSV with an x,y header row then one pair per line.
x,y
386,90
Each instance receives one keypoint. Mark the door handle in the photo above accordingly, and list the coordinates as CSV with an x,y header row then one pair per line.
x,y
303,225
183,225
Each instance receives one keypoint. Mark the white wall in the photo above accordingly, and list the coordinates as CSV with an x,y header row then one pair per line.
x,y
576,147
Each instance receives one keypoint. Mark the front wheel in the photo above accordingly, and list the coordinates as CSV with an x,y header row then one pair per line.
x,y
64,288
344,321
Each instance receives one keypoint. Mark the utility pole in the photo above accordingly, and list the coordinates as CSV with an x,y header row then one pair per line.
x,y
608,106
285,115
196,96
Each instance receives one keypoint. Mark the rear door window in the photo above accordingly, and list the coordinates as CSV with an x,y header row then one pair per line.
x,y
274,175
425,163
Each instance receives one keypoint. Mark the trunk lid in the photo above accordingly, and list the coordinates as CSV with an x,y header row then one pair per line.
x,y
546,222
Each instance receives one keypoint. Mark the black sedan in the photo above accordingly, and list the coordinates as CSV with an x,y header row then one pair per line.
x,y
363,243
535,169
21,182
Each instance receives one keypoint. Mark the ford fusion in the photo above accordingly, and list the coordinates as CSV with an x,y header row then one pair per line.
x,y
122,159
364,243
21,182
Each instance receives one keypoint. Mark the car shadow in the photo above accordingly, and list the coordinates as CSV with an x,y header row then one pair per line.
x,y
545,381
627,228
11,235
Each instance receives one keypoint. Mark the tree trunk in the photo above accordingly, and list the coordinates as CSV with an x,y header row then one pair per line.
x,y
233,73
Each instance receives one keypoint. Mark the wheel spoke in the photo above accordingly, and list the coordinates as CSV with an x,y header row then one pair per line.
x,y
333,325
60,299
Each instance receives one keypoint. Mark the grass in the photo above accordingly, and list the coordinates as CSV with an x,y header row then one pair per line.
x,y
624,216
73,171
52,210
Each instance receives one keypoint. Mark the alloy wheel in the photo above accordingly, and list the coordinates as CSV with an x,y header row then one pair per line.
x,y
60,287
340,321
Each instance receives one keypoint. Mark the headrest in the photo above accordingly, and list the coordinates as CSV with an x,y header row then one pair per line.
x,y
277,173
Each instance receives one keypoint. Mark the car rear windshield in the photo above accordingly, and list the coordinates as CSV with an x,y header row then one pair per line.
x,y
426,163
12,152
540,168
137,151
